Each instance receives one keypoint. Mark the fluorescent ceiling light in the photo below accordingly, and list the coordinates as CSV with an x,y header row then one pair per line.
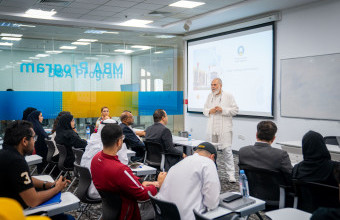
x,y
11,38
10,35
111,32
141,47
124,51
87,40
80,43
91,58
136,23
95,32
68,47
34,58
186,4
42,55
5,44
26,25
27,61
165,36
53,51
158,52
37,13
101,55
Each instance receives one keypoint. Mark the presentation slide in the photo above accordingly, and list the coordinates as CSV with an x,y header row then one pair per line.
x,y
244,62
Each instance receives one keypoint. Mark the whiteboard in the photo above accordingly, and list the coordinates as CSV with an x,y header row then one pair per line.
x,y
310,87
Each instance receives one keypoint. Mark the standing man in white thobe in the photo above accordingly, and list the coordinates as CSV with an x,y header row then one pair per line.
x,y
219,108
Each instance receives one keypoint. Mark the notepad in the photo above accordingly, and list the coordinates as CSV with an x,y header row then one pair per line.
x,y
54,200
236,204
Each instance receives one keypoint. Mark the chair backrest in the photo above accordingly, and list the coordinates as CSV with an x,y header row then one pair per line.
x,y
85,180
78,154
62,156
111,205
264,184
50,150
312,195
154,155
331,140
198,216
164,210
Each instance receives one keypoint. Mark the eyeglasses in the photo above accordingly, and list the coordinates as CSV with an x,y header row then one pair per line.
x,y
35,137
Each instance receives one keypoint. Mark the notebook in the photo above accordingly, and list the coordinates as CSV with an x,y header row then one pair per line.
x,y
54,200
236,204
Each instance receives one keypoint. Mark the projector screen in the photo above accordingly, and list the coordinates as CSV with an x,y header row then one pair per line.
x,y
243,59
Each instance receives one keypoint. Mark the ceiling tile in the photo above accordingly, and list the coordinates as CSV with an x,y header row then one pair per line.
x,y
97,12
123,4
11,9
148,6
164,2
68,15
98,2
137,11
173,9
81,5
92,17
76,10
15,3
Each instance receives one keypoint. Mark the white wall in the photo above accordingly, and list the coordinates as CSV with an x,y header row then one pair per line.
x,y
305,31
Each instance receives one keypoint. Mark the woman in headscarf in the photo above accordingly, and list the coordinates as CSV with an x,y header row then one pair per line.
x,y
65,135
317,165
95,145
27,111
40,146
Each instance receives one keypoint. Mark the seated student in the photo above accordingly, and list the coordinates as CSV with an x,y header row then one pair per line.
x,y
131,139
109,174
329,213
160,134
95,145
16,181
40,145
263,155
193,183
68,137
317,165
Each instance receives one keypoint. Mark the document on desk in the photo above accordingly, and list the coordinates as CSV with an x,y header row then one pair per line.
x,y
236,204
54,200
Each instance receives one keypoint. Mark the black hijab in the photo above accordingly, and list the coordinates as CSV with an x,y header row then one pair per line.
x,y
26,112
64,123
37,127
316,165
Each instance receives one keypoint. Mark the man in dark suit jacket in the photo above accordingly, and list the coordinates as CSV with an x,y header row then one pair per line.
x,y
262,155
160,134
131,140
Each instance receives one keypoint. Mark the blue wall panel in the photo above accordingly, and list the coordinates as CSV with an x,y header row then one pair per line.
x,y
170,101
12,104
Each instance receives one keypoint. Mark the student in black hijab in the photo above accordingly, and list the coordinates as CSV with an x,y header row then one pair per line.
x,y
317,165
27,111
40,146
65,135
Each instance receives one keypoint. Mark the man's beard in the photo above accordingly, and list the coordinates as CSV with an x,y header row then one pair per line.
x,y
28,152
216,92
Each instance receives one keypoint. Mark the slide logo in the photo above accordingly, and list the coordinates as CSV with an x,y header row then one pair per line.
x,y
240,50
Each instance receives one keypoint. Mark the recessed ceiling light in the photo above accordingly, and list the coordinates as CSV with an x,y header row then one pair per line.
x,y
80,43
141,47
34,58
26,25
101,55
68,47
158,52
165,36
10,35
186,4
27,61
124,51
37,13
5,44
87,40
53,51
42,55
111,32
91,58
11,38
95,32
136,23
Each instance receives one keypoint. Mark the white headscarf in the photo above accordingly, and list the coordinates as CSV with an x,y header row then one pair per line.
x,y
95,145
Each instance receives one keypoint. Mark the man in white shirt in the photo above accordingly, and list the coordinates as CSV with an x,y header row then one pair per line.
x,y
219,108
193,183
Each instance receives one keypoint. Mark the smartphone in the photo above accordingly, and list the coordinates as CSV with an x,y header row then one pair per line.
x,y
232,198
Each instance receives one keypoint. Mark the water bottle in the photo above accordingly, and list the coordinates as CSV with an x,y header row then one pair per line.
x,y
189,137
88,133
244,189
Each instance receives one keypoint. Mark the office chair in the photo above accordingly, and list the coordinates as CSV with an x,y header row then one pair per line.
x,y
62,168
310,195
267,185
164,210
50,151
154,155
334,140
111,205
78,154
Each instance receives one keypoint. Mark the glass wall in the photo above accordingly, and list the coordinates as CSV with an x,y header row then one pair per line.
x,y
59,68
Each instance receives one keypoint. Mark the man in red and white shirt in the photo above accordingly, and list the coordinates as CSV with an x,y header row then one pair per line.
x,y
109,174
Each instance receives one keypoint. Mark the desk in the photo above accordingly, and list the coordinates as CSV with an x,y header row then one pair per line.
x,y
183,141
259,205
47,178
130,153
33,159
288,213
295,147
68,202
144,170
